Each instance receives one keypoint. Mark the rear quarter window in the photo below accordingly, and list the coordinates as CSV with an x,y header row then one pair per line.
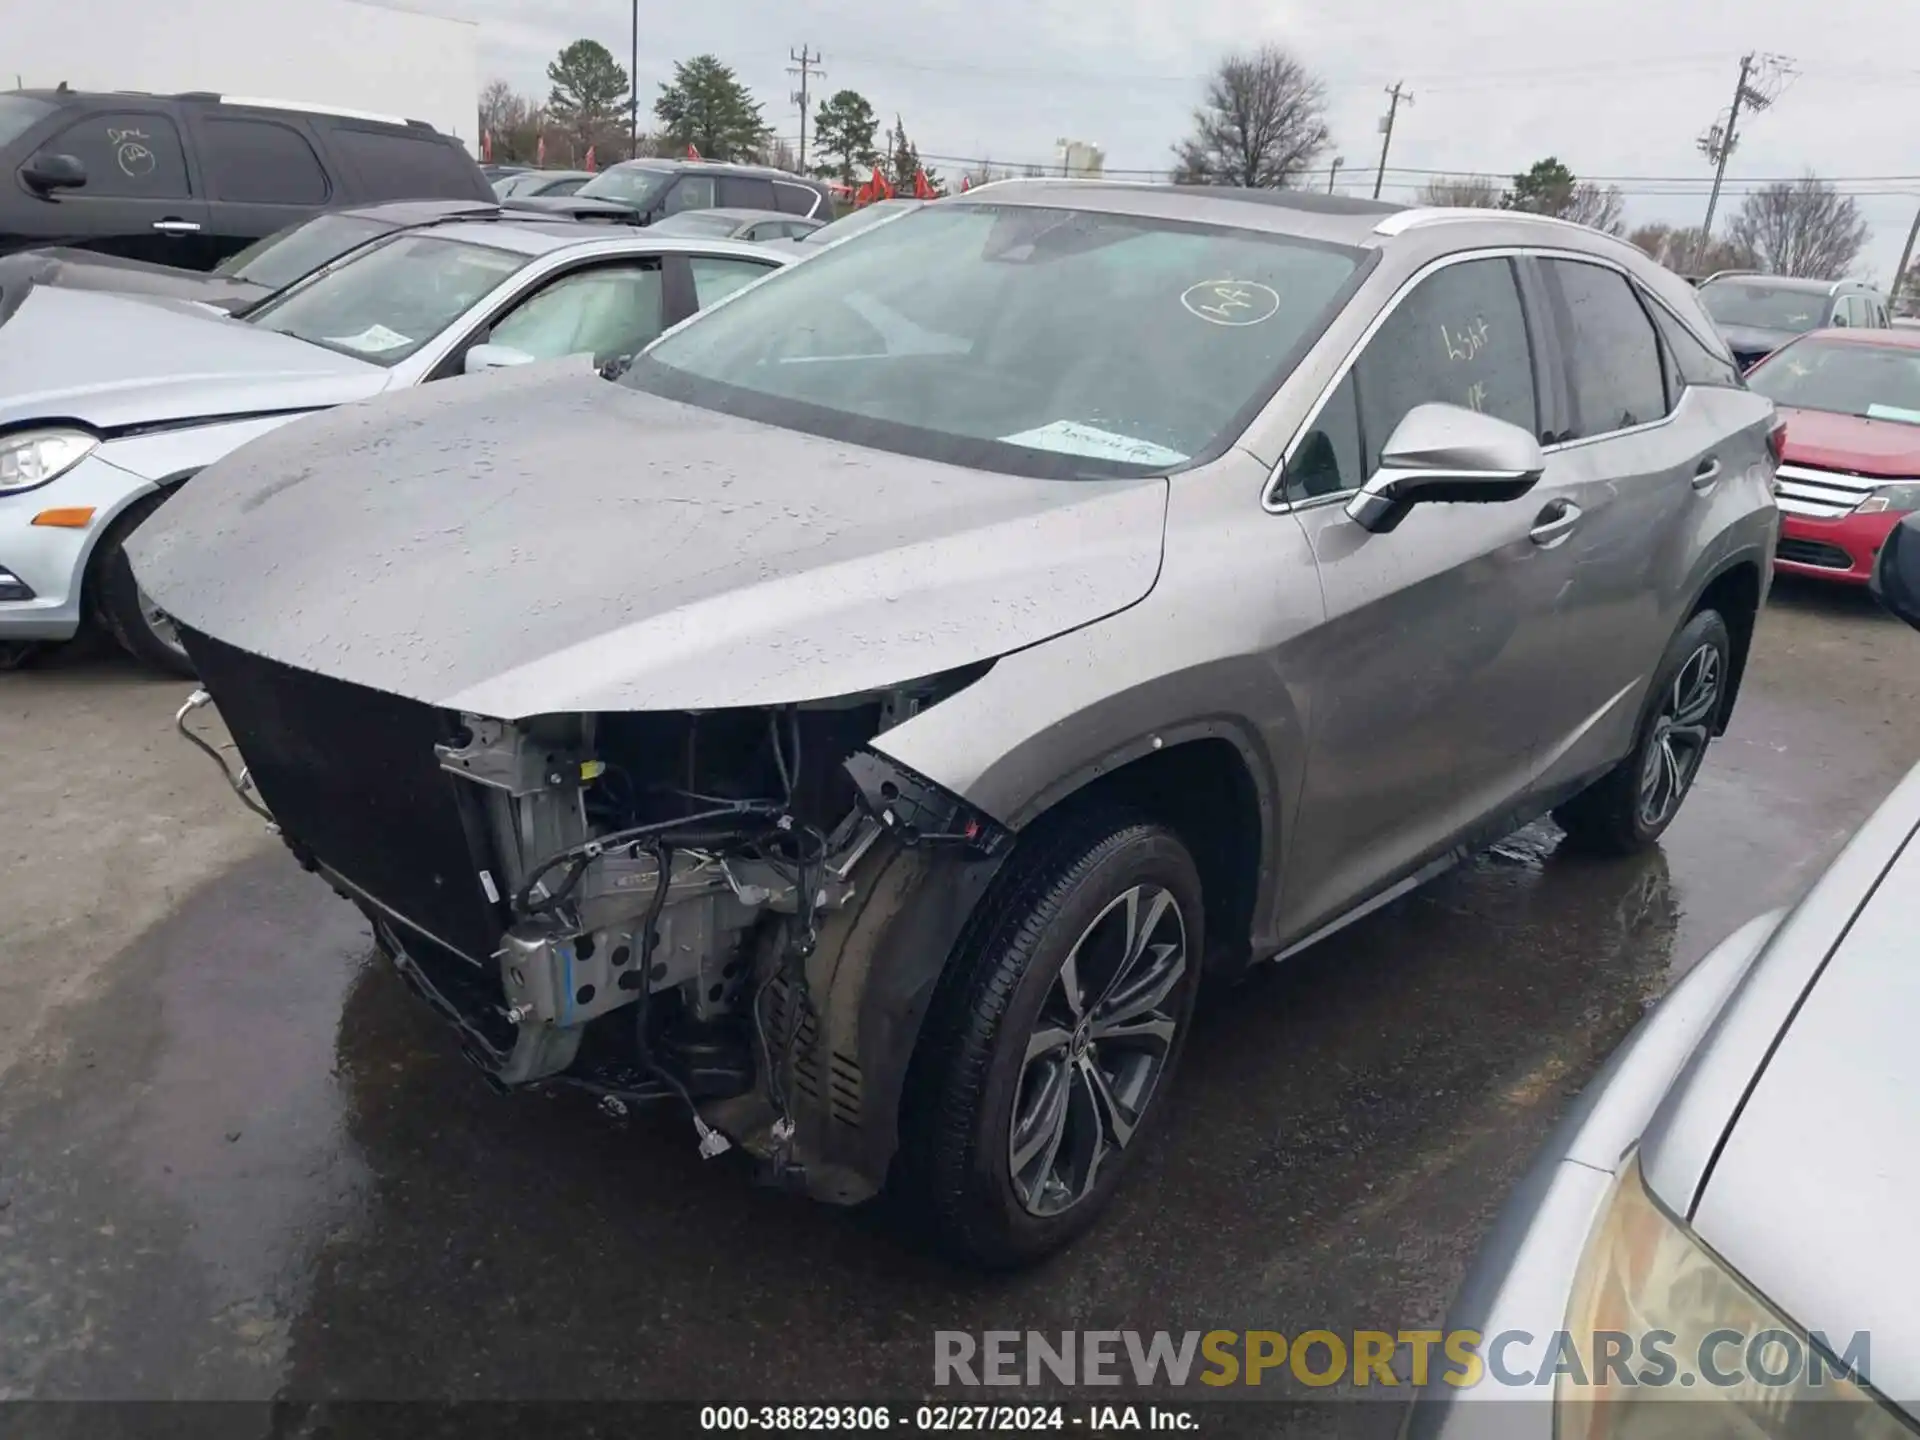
x,y
398,165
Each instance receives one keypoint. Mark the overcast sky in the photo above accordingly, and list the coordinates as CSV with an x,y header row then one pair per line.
x,y
1612,87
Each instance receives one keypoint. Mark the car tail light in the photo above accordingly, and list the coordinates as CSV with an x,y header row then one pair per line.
x,y
1777,440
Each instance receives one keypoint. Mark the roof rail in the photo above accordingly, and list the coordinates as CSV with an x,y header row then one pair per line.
x,y
1724,274
1416,216
306,107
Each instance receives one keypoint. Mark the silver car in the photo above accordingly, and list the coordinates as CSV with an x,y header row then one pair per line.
x,y
865,719
109,403
1729,1206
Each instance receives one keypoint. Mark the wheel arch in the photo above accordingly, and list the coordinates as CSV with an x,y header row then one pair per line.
x,y
1204,782
115,529
1736,590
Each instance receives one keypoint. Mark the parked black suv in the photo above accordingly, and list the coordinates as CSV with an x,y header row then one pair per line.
x,y
641,191
186,180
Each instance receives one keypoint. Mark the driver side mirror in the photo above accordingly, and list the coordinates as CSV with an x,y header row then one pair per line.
x,y
47,173
493,357
1896,574
1446,453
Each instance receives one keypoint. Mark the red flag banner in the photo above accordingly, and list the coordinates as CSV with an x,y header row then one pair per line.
x,y
486,146
591,165
882,188
921,189
540,152
966,183
692,154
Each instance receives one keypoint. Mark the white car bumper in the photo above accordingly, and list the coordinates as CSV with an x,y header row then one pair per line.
x,y
43,566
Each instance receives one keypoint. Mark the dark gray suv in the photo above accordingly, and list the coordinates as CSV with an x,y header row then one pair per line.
x,y
865,719
1757,314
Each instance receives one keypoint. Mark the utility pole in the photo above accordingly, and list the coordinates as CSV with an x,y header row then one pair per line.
x,y
1900,270
1718,142
1395,96
633,100
1333,170
804,65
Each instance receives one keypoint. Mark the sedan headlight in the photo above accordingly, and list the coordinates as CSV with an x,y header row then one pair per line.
x,y
33,457
1891,497
1698,1353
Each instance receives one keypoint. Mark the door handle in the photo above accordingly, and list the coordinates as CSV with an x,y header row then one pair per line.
x,y
1706,473
176,227
1554,524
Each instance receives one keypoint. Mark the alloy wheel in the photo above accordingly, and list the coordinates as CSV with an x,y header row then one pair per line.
x,y
1680,734
1097,1050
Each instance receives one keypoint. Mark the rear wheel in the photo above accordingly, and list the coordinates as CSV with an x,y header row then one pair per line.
x,y
144,630
1051,1040
1628,808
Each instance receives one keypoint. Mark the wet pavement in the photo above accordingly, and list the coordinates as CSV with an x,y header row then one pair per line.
x,y
238,1161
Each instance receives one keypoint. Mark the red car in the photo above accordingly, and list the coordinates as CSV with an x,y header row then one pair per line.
x,y
1851,467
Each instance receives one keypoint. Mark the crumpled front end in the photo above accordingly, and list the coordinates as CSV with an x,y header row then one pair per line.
x,y
740,910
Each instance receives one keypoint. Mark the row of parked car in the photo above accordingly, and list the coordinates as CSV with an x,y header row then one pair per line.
x,y
128,374
1847,381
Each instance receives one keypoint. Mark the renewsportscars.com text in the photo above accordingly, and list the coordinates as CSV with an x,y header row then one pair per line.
x,y
1362,1358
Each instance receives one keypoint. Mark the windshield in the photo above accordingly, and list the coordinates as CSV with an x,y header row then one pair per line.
x,y
865,218
385,304
1763,307
19,114
299,250
1041,341
629,186
1880,382
699,222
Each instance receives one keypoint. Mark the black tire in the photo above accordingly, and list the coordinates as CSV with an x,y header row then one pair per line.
x,y
1003,986
120,606
1617,814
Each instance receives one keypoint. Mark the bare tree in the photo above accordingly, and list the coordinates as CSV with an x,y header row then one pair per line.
x,y
1679,249
1597,206
511,119
1801,227
1472,192
1261,123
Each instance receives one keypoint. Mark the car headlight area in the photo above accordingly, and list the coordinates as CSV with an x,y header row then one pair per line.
x,y
59,492
32,458
1665,1340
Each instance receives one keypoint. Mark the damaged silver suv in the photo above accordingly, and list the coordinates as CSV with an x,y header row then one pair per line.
x,y
865,720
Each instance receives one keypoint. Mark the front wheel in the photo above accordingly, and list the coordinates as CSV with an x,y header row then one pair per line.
x,y
144,630
1051,1040
1629,808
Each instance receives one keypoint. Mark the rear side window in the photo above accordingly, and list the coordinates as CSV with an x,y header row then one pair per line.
x,y
1459,338
694,192
1613,359
1691,362
794,199
394,165
746,192
128,156
260,162
714,277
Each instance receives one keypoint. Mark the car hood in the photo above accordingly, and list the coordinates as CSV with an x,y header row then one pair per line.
x,y
85,270
1748,340
1821,438
1811,1198
111,361
539,540
578,207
